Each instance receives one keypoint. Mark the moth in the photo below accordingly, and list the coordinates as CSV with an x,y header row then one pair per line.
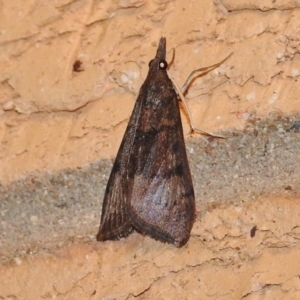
x,y
150,187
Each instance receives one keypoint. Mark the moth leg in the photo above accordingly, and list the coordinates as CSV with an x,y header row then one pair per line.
x,y
191,78
193,127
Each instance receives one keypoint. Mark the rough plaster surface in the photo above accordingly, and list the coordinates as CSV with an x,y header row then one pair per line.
x,y
53,117
70,72
221,261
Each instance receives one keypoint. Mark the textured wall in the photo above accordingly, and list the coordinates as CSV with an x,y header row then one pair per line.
x,y
53,117
70,73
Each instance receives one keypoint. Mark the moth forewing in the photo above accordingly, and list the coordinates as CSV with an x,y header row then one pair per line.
x,y
150,187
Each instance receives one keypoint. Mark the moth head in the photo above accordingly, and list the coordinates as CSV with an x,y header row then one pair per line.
x,y
161,64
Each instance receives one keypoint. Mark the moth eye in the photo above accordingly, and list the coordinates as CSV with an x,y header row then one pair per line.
x,y
163,65
150,63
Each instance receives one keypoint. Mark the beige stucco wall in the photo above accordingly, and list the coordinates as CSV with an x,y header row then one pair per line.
x,y
52,118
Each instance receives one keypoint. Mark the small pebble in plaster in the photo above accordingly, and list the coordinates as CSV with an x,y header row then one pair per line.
x,y
9,105
273,98
250,96
295,72
18,261
256,287
244,116
129,76
124,78
238,223
33,219
196,50
280,55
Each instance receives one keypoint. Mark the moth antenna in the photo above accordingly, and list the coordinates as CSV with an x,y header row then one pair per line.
x,y
186,86
191,78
